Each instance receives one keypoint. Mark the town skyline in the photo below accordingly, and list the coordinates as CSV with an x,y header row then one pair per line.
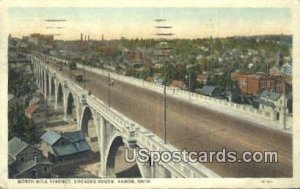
x,y
131,23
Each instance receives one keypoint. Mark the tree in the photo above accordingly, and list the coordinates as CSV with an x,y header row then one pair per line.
x,y
168,73
193,80
72,66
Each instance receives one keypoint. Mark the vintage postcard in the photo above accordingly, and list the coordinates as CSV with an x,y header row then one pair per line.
x,y
149,94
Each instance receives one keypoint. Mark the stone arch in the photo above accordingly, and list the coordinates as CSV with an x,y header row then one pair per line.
x,y
40,76
47,84
43,80
52,87
115,160
71,107
60,95
86,118
88,126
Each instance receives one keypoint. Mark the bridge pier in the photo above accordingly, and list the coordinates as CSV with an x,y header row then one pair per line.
x,y
103,141
50,98
65,102
56,95
45,85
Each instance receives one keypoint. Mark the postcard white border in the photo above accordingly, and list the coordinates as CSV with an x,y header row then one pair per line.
x,y
293,182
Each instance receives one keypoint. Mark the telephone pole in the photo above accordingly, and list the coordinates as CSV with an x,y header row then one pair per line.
x,y
163,57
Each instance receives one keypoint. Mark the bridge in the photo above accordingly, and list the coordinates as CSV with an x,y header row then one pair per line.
x,y
113,128
134,120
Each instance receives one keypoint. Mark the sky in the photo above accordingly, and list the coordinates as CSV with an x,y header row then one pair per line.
x,y
115,23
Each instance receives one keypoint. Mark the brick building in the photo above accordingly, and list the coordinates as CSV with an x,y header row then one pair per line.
x,y
253,84
250,83
133,56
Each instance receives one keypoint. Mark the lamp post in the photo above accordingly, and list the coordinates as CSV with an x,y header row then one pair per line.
x,y
108,89
110,83
188,67
189,79
165,113
70,70
84,76
284,108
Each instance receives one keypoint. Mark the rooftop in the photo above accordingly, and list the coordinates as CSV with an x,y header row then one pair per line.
x,y
177,83
10,96
28,165
270,95
77,142
208,90
16,146
31,109
50,137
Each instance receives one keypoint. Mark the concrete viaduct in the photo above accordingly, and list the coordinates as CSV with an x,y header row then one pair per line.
x,y
113,128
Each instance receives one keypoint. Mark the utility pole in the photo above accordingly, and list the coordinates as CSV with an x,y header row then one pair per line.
x,y
164,58
189,79
284,108
165,114
188,67
70,70
108,89
84,76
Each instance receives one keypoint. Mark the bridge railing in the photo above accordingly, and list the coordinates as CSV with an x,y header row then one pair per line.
x,y
135,132
186,95
182,94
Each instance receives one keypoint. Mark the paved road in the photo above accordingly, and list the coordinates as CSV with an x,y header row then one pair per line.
x,y
197,128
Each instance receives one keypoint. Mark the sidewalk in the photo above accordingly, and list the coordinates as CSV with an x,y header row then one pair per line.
x,y
277,125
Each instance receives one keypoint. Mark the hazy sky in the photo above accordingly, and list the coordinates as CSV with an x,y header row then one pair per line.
x,y
139,22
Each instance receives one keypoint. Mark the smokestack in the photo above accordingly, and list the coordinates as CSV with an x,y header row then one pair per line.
x,y
81,37
84,37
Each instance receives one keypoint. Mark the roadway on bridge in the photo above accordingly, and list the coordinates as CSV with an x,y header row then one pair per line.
x,y
196,128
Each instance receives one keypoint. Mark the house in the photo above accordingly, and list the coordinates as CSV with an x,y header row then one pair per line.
x,y
36,114
10,97
39,100
275,70
280,67
250,84
286,69
132,56
158,80
26,161
277,83
203,78
13,101
59,147
178,84
208,90
270,100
